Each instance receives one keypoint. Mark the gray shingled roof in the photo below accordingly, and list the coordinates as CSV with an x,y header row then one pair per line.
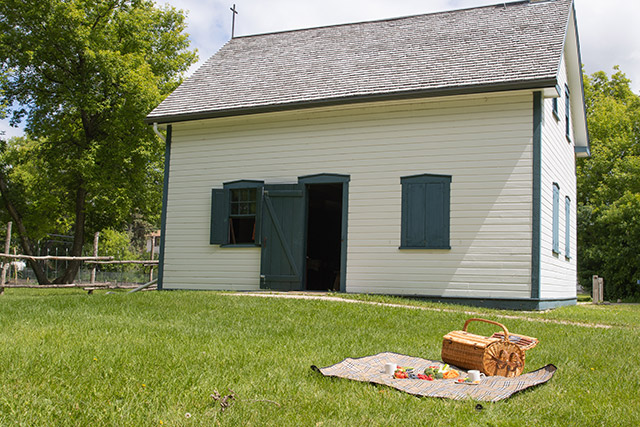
x,y
485,48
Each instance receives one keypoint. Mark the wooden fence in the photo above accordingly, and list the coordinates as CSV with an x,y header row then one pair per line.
x,y
94,260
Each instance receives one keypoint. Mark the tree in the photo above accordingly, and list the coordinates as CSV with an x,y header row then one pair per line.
x,y
3,105
85,74
609,187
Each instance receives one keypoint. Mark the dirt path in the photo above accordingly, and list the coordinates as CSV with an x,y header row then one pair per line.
x,y
324,297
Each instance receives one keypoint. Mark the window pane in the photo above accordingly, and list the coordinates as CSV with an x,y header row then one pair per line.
x,y
243,201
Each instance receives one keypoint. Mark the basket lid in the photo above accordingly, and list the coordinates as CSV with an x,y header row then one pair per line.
x,y
522,341
467,338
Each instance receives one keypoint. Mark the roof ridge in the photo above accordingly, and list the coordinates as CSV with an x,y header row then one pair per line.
x,y
397,18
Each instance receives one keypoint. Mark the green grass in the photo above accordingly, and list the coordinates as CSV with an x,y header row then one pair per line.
x,y
146,359
584,298
604,314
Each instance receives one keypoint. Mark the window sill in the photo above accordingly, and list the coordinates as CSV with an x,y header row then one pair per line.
x,y
240,245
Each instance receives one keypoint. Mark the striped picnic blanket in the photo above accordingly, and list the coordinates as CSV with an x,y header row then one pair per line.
x,y
491,389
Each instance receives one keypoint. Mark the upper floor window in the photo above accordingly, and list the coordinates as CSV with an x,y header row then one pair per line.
x,y
567,112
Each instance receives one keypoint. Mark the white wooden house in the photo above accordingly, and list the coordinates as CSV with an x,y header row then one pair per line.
x,y
429,155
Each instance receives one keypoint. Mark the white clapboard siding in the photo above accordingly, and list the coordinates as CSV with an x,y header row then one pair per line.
x,y
558,274
483,142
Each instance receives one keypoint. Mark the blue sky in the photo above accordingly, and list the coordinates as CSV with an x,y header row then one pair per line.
x,y
609,30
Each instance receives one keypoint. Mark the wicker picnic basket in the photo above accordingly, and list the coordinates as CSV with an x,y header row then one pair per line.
x,y
500,354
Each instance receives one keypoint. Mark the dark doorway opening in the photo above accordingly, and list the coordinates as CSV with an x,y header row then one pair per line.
x,y
324,237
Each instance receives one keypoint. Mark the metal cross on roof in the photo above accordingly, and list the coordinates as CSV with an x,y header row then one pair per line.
x,y
233,19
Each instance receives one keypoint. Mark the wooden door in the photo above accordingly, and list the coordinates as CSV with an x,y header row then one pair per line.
x,y
283,222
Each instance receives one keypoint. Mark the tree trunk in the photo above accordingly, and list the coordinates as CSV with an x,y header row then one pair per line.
x,y
25,243
69,274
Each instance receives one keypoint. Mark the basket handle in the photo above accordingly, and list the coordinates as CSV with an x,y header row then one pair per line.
x,y
477,319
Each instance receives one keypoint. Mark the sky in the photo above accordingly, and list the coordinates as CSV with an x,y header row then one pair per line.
x,y
609,30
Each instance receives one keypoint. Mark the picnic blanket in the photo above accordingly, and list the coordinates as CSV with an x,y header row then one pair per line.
x,y
491,389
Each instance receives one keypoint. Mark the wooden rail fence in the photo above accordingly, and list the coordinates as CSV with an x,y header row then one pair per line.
x,y
95,260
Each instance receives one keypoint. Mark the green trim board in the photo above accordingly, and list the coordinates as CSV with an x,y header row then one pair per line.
x,y
499,303
333,178
582,150
324,178
163,215
536,213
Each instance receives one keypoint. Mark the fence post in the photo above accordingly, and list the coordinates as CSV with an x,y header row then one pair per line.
x,y
153,248
15,269
96,237
601,288
597,290
5,264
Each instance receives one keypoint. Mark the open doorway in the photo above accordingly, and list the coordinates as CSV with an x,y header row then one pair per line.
x,y
324,236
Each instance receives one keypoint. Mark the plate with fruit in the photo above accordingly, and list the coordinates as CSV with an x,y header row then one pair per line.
x,y
431,373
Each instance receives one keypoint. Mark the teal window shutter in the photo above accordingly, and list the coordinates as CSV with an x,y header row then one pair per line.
x,y
414,215
567,112
219,232
425,212
567,230
556,219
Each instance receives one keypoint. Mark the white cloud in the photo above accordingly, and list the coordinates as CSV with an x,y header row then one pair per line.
x,y
610,35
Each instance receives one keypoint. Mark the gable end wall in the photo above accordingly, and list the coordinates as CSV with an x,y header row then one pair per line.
x,y
558,274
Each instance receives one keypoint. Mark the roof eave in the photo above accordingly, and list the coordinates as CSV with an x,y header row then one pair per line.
x,y
546,85
571,50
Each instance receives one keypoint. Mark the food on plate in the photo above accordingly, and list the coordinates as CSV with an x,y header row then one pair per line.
x,y
433,372
441,372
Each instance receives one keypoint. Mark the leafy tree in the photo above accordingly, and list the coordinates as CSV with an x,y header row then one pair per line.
x,y
118,245
85,73
609,187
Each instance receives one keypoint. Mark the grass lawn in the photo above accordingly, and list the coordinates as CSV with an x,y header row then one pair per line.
x,y
155,358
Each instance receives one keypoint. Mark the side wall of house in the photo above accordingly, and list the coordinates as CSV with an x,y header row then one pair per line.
x,y
558,273
483,142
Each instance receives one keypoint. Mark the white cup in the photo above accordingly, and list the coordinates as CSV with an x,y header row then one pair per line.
x,y
390,368
475,375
